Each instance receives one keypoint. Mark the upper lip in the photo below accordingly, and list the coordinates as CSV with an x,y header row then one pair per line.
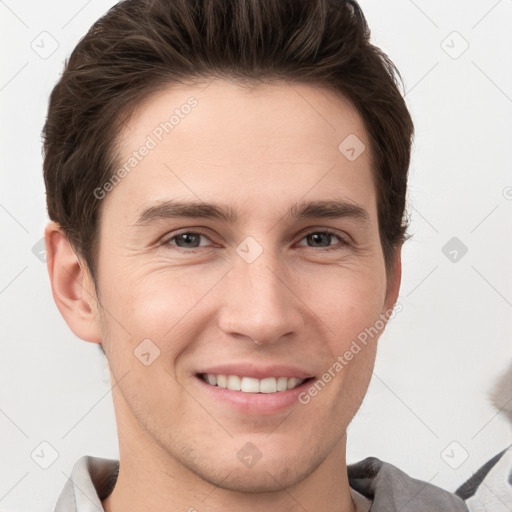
x,y
257,372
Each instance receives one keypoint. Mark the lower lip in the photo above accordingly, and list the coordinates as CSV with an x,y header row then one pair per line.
x,y
255,403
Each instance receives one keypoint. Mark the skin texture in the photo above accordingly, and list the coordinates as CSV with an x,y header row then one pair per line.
x,y
258,150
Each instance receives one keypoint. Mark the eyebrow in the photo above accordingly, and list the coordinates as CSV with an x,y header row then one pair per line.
x,y
173,209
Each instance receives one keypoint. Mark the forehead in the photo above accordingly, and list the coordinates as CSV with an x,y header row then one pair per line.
x,y
259,143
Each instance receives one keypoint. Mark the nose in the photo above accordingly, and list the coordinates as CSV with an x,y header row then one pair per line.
x,y
261,302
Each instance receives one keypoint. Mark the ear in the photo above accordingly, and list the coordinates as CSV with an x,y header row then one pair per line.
x,y
72,286
394,279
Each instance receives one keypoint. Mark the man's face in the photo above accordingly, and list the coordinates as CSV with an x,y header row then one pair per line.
x,y
266,293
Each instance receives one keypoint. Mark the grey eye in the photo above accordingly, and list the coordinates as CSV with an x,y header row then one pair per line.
x,y
188,240
320,239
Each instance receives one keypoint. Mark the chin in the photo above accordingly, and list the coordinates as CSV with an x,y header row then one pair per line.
x,y
267,478
266,475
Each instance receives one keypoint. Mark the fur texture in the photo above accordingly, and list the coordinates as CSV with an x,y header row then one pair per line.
x,y
501,393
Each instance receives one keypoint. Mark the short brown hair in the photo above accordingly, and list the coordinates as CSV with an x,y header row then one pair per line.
x,y
141,46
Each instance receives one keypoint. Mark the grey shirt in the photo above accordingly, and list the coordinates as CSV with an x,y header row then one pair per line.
x,y
376,486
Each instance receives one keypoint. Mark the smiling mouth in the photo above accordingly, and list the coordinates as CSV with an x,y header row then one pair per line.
x,y
252,385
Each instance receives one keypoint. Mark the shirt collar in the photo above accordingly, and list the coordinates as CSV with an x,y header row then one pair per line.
x,y
392,490
91,481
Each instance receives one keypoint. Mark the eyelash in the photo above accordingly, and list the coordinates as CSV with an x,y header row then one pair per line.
x,y
343,243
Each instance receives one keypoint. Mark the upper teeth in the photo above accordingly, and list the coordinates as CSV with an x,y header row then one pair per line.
x,y
252,385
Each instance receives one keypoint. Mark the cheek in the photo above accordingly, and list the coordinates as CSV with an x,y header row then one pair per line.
x,y
158,305
350,307
348,301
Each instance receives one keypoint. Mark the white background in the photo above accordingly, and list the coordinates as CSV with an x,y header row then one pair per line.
x,y
438,358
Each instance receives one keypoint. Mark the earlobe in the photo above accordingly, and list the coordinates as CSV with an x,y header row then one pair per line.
x,y
72,286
